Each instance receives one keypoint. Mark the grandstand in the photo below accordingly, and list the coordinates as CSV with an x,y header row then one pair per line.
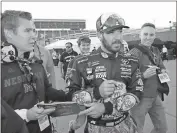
x,y
52,30
61,29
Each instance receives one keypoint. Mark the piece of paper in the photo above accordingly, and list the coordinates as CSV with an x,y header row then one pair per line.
x,y
43,122
164,77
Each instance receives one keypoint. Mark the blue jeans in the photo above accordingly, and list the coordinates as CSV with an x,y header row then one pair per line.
x,y
154,107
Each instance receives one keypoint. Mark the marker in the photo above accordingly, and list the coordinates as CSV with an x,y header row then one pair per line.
x,y
152,66
104,79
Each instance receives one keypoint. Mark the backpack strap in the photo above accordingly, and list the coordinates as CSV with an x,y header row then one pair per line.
x,y
147,52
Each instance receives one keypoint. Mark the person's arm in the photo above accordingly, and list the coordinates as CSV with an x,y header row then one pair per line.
x,y
50,68
60,65
73,80
135,85
11,121
51,93
69,68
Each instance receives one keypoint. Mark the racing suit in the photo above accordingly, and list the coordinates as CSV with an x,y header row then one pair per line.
x,y
93,69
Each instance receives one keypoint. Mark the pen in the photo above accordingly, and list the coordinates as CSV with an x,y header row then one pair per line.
x,y
151,66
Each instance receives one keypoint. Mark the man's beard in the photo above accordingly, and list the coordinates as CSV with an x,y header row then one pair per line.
x,y
69,51
147,43
108,47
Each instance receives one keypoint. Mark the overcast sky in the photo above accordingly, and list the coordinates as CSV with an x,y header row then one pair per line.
x,y
134,13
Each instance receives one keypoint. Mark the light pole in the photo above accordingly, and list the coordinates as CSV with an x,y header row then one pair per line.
x,y
170,25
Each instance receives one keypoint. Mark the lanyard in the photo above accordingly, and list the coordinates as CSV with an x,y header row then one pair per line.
x,y
30,77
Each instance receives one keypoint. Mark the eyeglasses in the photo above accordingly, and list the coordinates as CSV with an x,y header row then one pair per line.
x,y
68,47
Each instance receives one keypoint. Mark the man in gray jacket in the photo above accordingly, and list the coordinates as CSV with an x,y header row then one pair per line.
x,y
151,102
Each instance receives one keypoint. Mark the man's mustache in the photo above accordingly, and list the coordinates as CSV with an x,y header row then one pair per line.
x,y
117,42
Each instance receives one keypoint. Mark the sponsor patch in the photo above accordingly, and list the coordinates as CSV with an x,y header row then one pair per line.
x,y
135,60
89,70
125,65
139,88
138,73
100,75
100,69
115,115
126,73
125,61
84,60
95,63
127,54
125,69
140,82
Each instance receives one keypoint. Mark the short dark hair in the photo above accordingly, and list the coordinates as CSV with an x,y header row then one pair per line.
x,y
148,25
10,20
83,39
69,43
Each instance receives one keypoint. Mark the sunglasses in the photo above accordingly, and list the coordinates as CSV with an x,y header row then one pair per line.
x,y
68,47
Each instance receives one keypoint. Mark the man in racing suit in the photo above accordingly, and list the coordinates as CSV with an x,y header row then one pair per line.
x,y
84,44
108,75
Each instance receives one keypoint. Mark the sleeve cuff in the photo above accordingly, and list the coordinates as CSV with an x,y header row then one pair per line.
x,y
22,113
142,76
108,108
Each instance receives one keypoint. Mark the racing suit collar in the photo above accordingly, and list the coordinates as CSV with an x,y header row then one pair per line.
x,y
107,55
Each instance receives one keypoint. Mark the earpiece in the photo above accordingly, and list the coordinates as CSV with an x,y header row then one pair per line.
x,y
8,53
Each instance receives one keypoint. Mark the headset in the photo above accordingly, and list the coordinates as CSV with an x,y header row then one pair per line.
x,y
8,53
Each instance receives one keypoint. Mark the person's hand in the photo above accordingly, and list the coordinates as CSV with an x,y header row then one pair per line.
x,y
35,112
95,110
62,75
75,124
150,72
107,88
48,74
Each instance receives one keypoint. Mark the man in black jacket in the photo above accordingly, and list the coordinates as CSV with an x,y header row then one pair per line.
x,y
150,65
24,82
65,58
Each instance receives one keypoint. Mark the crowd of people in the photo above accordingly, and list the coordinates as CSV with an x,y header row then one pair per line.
x,y
121,86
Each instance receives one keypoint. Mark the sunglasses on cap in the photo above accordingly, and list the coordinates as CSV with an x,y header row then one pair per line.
x,y
111,22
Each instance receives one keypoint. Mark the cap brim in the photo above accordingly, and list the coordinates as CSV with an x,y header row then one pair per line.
x,y
109,29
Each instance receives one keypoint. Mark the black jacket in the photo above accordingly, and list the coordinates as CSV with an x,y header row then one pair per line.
x,y
17,92
11,121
